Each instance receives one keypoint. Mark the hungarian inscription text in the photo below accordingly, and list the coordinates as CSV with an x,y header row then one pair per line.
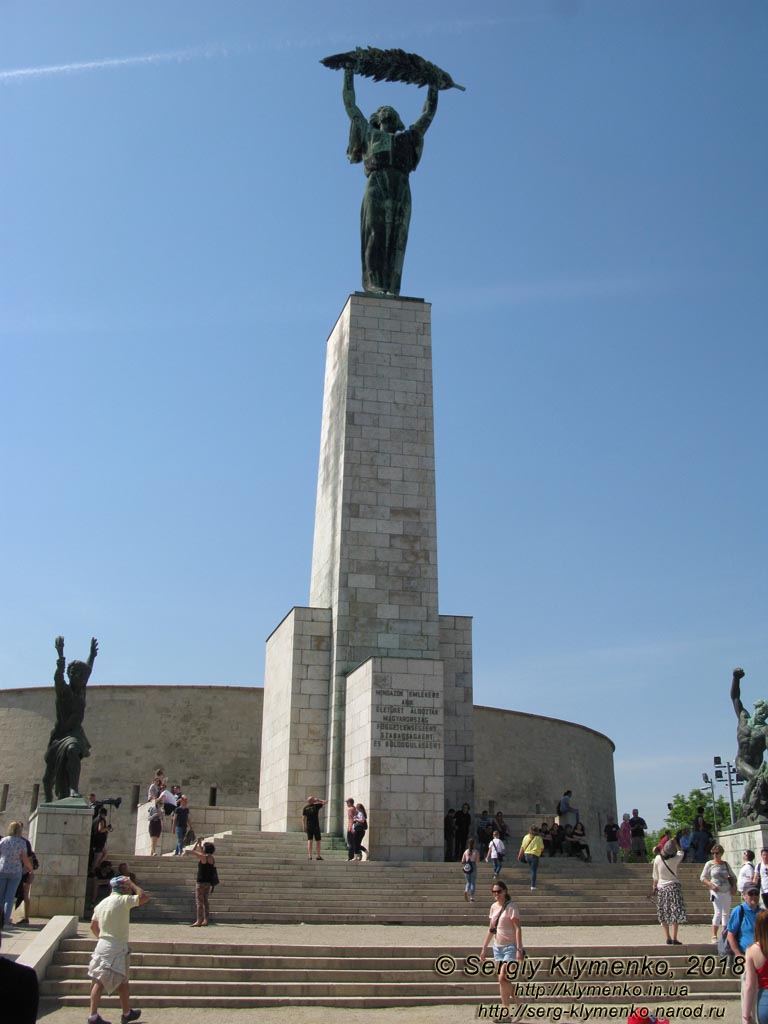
x,y
408,720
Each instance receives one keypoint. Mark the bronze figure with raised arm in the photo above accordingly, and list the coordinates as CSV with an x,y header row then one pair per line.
x,y
751,736
68,744
388,153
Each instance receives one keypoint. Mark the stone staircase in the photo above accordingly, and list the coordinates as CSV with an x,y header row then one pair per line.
x,y
186,974
266,878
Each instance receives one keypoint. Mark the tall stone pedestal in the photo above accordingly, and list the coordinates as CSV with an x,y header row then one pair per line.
x,y
60,834
368,692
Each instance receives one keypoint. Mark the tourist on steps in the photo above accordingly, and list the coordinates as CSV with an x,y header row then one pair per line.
x,y
360,827
720,879
469,862
496,851
530,851
668,891
156,814
310,823
506,936
108,966
351,812
579,844
207,877
625,838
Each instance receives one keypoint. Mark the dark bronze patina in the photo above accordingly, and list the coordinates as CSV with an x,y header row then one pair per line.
x,y
388,152
68,744
752,736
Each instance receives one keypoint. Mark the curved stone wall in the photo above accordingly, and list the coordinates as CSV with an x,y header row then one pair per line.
x,y
524,763
203,736
209,737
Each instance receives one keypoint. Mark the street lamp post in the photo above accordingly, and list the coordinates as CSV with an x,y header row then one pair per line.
x,y
730,775
711,785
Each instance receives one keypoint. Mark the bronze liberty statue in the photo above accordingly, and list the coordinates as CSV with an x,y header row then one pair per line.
x,y
389,153
68,744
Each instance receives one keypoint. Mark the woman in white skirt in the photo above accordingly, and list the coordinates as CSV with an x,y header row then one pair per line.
x,y
669,892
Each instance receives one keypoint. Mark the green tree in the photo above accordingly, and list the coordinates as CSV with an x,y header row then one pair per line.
x,y
682,810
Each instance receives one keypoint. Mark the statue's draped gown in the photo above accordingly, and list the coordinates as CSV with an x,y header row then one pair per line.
x,y
66,734
388,159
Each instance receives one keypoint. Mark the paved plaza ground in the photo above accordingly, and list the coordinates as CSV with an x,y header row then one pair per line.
x,y
368,935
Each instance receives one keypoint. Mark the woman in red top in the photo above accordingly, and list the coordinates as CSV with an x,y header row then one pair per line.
x,y
756,974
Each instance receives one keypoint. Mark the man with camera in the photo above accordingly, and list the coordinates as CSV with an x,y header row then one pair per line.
x,y
109,963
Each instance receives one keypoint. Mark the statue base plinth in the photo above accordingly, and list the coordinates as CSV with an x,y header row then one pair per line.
x,y
740,837
60,833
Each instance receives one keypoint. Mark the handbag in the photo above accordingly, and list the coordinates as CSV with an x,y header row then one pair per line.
x,y
214,878
189,837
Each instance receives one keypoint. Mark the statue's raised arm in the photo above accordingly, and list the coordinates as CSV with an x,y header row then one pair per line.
x,y
428,113
92,655
738,675
348,95
58,675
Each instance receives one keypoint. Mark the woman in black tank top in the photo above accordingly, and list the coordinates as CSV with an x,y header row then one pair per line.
x,y
205,876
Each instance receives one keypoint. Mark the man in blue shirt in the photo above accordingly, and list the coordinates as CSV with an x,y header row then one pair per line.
x,y
741,923
566,809
741,929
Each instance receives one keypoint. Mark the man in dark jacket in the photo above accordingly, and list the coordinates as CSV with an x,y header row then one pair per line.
x,y
18,985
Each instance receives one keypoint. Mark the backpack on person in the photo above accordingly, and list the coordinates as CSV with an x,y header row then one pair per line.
x,y
723,945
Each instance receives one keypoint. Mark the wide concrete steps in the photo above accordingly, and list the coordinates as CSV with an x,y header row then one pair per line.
x,y
256,888
395,912
235,976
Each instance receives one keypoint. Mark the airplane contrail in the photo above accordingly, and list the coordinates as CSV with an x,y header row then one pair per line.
x,y
17,74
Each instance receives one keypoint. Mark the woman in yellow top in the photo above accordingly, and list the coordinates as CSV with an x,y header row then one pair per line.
x,y
530,851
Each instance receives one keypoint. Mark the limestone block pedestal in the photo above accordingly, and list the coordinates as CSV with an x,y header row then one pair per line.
x,y
60,834
735,841
294,746
394,763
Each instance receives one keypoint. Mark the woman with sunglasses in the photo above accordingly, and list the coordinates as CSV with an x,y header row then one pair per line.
x,y
506,936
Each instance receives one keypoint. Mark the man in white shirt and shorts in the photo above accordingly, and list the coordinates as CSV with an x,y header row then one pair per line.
x,y
109,963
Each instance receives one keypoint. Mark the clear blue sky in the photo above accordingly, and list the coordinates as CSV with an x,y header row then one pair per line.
x,y
179,233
